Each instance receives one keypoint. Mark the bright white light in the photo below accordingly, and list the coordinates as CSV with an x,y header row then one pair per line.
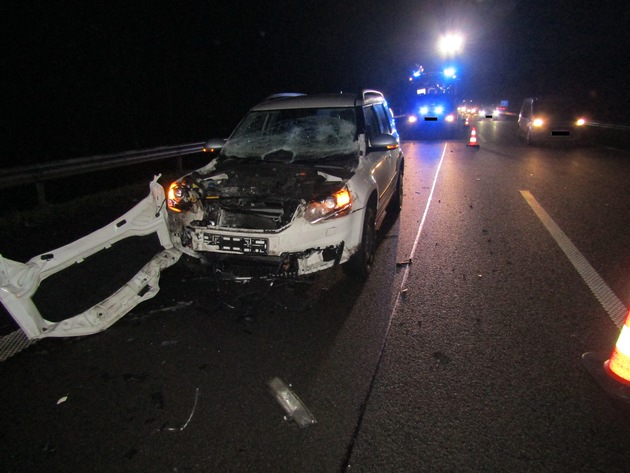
x,y
439,110
450,44
424,110
450,72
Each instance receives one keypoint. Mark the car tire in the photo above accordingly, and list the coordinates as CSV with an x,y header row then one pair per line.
x,y
528,138
397,199
360,263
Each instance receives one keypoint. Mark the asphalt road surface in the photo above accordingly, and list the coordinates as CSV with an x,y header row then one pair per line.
x,y
462,352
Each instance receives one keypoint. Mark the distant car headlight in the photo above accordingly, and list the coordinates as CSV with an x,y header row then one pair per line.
x,y
450,118
538,122
335,205
580,122
439,110
412,119
424,110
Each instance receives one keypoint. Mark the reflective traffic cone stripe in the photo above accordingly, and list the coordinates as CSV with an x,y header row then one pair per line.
x,y
618,366
472,141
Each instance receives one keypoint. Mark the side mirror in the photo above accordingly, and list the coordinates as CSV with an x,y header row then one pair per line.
x,y
384,141
213,146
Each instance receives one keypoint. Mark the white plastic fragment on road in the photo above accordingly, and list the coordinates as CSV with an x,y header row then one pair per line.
x,y
192,412
20,281
291,404
61,400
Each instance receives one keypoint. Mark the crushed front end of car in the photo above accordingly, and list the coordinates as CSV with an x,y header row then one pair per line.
x,y
20,281
257,219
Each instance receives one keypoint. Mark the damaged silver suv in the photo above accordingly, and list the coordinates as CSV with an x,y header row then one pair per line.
x,y
301,185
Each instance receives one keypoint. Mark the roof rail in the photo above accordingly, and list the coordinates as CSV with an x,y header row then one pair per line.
x,y
372,96
284,95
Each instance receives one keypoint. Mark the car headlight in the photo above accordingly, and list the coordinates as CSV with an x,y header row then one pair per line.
x,y
412,119
538,122
335,205
450,118
580,122
180,197
424,110
439,110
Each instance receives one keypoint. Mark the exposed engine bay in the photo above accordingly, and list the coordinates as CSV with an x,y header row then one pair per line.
x,y
255,195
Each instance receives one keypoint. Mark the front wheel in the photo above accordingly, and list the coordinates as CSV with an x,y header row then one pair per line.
x,y
360,263
397,200
529,139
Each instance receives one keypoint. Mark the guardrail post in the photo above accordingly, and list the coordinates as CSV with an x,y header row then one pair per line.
x,y
41,194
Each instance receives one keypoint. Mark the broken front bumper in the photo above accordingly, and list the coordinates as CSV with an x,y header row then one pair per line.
x,y
299,249
19,281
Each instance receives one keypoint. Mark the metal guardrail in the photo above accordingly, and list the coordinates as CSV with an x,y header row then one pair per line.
x,y
37,173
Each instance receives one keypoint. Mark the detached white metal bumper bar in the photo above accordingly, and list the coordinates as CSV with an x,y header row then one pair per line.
x,y
19,281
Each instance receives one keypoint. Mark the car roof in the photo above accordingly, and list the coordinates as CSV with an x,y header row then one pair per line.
x,y
342,100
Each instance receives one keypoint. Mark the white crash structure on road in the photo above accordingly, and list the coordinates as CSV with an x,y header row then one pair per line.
x,y
19,281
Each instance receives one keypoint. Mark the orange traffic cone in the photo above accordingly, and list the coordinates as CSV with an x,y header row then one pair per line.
x,y
472,141
613,375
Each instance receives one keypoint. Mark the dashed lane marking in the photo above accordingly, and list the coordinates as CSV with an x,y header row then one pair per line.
x,y
609,301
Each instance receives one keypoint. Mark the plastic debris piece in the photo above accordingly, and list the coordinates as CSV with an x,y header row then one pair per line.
x,y
292,404
404,263
62,400
192,412
172,308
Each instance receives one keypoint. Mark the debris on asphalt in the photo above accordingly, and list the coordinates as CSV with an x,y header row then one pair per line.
x,y
404,263
192,412
292,404
172,308
62,400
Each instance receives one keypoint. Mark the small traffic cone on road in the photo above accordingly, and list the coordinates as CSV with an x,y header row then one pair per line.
x,y
613,374
472,141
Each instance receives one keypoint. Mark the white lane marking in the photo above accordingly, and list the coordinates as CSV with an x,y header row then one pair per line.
x,y
391,317
403,283
609,301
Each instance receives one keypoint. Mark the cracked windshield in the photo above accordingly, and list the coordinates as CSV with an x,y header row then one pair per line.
x,y
296,134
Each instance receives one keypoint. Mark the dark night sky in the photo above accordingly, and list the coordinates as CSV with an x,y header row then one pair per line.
x,y
92,77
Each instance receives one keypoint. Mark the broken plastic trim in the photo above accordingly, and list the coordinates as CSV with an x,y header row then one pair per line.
x,y
291,403
20,281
